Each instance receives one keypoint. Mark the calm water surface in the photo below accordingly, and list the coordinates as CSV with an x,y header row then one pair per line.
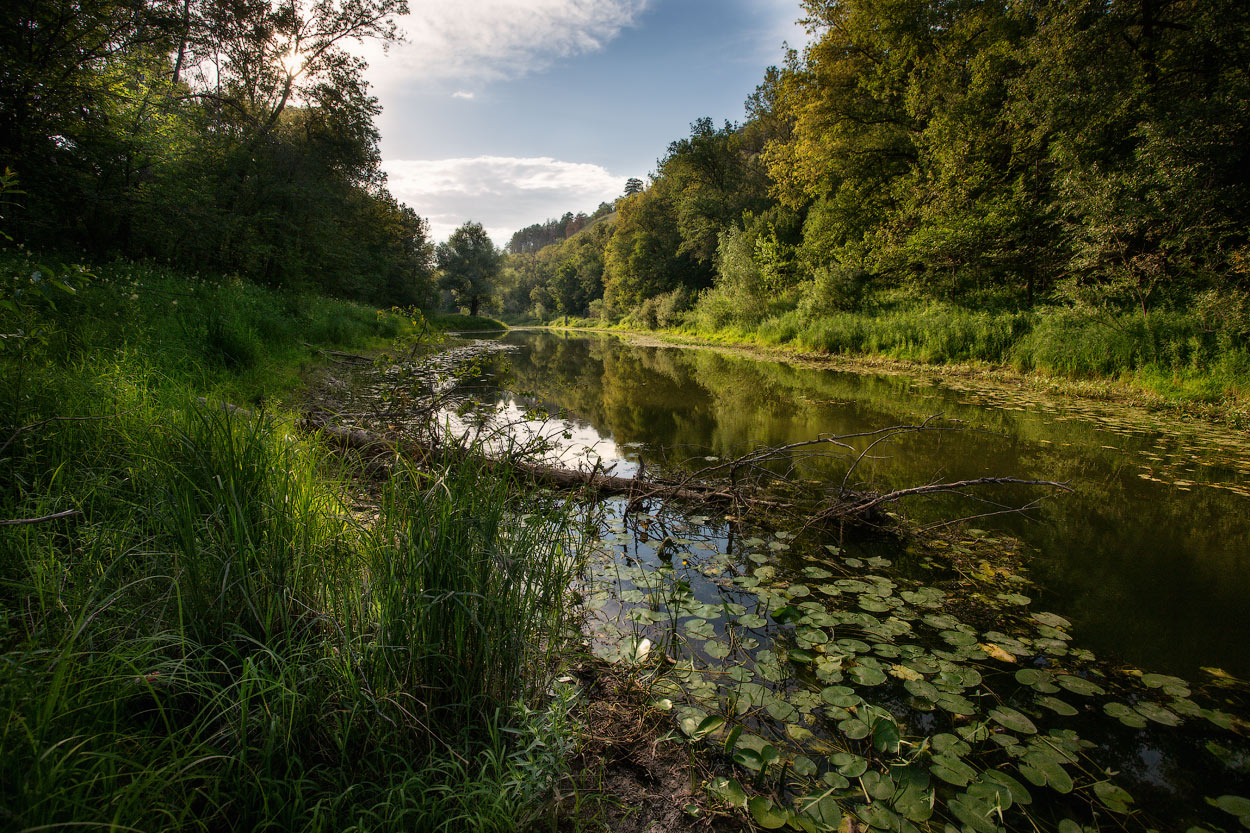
x,y
1149,556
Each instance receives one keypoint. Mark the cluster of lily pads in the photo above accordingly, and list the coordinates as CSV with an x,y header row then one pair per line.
x,y
849,693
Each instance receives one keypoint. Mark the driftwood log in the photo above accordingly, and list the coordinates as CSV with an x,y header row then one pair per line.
x,y
839,505
846,505
554,477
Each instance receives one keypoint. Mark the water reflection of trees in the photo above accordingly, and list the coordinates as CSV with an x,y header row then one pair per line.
x,y
1153,573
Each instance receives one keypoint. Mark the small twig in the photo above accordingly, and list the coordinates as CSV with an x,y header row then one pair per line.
x,y
1009,510
24,428
933,488
68,513
891,434
339,356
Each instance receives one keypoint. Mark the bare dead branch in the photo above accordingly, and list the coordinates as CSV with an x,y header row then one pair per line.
x,y
56,516
956,487
50,420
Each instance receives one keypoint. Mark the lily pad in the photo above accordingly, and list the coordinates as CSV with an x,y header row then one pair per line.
x,y
1157,713
716,649
1079,685
767,814
840,695
952,770
821,810
866,675
1019,793
1057,706
1112,797
854,728
1174,686
975,814
780,710
1044,770
699,729
1125,714
1234,805
1013,720
958,638
727,790
1053,620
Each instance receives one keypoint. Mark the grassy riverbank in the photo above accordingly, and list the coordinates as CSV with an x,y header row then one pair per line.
x,y
222,632
1174,361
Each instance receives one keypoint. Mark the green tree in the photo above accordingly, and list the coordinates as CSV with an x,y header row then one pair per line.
x,y
469,265
644,256
711,180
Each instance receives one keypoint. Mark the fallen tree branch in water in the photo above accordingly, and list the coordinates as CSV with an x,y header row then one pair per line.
x,y
954,487
838,505
835,505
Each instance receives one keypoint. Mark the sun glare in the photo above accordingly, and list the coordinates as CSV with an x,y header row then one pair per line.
x,y
292,62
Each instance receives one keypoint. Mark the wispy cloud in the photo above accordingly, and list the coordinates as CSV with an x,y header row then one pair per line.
x,y
465,94
502,193
489,40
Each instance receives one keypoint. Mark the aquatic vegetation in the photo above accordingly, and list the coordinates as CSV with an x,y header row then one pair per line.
x,y
842,686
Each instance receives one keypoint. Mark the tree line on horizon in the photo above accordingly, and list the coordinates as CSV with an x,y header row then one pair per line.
x,y
1092,155
229,137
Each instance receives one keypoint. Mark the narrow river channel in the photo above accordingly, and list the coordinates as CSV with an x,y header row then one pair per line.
x,y
1148,557
1062,661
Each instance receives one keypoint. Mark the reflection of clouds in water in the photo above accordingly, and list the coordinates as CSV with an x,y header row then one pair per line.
x,y
573,443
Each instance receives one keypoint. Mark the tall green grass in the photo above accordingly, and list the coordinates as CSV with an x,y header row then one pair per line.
x,y
228,636
1175,352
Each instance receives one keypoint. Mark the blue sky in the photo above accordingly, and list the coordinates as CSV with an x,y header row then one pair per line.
x,y
508,112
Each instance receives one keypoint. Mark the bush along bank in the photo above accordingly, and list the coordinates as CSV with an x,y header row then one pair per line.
x,y
1178,358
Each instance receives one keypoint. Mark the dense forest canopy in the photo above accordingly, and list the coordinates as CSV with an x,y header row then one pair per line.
x,y
1091,155
992,155
233,136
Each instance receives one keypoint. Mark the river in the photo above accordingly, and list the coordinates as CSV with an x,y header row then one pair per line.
x,y
915,679
1149,556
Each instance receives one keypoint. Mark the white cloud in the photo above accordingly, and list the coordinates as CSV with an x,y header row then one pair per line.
x,y
490,40
502,193
465,94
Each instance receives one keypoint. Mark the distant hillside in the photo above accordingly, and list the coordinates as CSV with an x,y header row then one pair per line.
x,y
540,235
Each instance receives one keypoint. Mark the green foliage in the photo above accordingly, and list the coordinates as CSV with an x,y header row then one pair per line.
x,y
1031,176
228,342
467,322
645,256
662,311
236,138
564,278
469,266
536,237
228,335
217,642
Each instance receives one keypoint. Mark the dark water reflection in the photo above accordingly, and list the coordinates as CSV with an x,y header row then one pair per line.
x,y
1149,557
